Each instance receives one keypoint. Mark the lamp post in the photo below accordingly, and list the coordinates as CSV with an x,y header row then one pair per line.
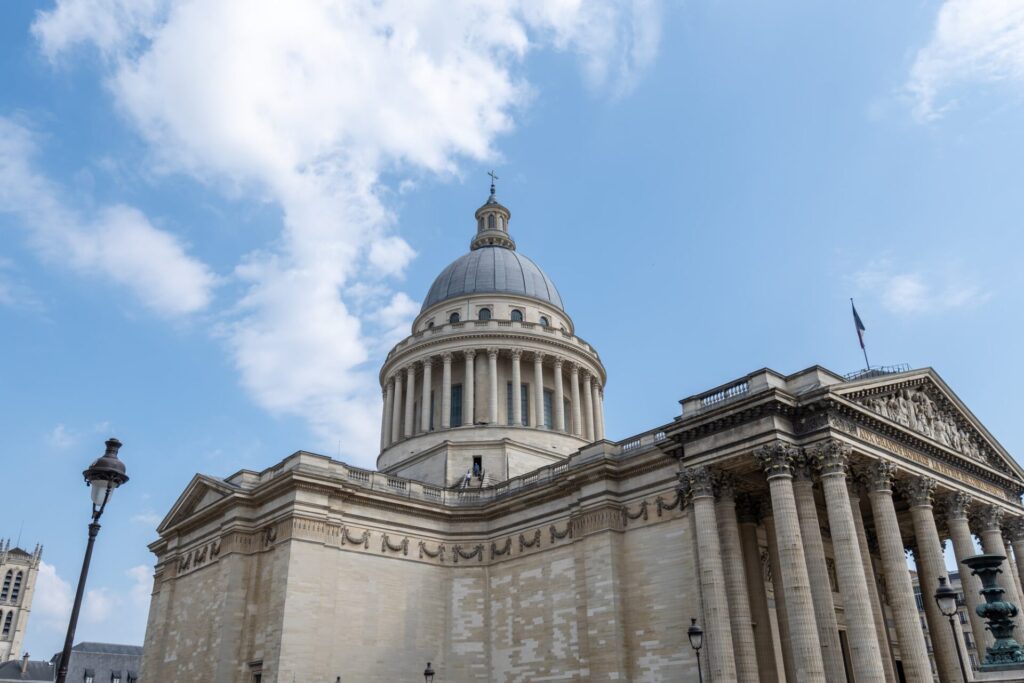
x,y
428,674
945,597
103,476
696,636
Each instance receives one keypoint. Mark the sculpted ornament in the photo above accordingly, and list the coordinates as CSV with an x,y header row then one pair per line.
x,y
776,459
918,490
1015,529
956,504
989,517
832,457
698,481
879,476
916,409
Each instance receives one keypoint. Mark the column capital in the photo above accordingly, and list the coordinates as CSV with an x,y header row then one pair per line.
x,y
585,374
516,353
446,357
879,475
469,353
574,368
725,485
832,457
804,465
956,504
919,491
410,369
1015,531
776,459
698,482
538,357
492,352
989,517
429,360
558,361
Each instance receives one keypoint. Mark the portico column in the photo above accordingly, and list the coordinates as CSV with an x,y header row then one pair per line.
x,y
468,390
781,614
559,406
881,629
718,638
598,426
777,461
1012,561
817,570
492,386
396,410
735,582
1015,530
446,390
989,519
385,421
832,459
931,565
900,592
956,505
517,389
588,408
750,551
410,399
425,398
538,388
600,408
574,389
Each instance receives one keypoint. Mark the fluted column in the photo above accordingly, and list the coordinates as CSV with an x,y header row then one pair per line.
x,y
817,570
446,390
931,565
425,398
877,613
781,613
1015,531
410,400
832,458
776,460
900,592
588,408
718,633
595,387
600,408
468,390
538,388
745,654
990,518
517,389
385,421
956,505
1012,561
492,386
750,551
396,410
574,389
559,406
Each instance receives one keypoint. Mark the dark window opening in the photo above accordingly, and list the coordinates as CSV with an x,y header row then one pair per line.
x,y
456,415
524,404
454,318
484,314
548,403
478,466
544,321
517,315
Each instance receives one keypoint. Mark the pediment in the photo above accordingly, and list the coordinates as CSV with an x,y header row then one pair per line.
x,y
921,402
202,492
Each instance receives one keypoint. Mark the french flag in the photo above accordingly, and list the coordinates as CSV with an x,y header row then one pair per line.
x,y
858,324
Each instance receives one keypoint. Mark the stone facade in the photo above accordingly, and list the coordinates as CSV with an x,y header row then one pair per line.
x,y
18,570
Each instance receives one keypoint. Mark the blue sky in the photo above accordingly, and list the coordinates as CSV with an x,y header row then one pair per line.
x,y
217,216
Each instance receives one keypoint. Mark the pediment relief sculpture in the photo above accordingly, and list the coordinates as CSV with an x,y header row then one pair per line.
x,y
916,409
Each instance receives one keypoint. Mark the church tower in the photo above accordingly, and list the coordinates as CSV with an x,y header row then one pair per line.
x,y
493,381
18,570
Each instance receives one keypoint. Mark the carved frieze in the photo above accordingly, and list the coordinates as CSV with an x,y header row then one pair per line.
x,y
532,542
386,544
436,554
924,411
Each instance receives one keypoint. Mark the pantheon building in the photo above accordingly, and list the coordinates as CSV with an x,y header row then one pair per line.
x,y
503,538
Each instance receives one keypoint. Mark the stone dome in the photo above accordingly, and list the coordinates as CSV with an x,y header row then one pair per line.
x,y
493,269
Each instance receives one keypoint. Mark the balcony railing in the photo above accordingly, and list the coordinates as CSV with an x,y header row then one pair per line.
x,y
877,371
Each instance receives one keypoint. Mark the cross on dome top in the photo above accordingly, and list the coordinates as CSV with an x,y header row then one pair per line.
x,y
492,222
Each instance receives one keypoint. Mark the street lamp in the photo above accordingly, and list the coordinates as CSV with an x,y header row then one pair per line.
x,y
103,476
428,674
696,636
945,597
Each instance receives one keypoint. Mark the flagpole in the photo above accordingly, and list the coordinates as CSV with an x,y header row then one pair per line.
x,y
867,365
860,334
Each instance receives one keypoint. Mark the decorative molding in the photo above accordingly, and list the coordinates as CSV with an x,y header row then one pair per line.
x,y
918,490
439,553
725,486
662,506
557,535
956,504
363,540
269,535
988,517
1015,531
534,542
832,457
385,545
640,513
698,482
879,476
477,552
504,550
601,519
776,459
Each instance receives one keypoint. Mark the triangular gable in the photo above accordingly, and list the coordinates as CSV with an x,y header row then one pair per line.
x,y
920,401
200,493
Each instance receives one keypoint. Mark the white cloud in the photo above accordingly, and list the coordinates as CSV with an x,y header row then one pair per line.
x,y
51,606
141,577
307,104
61,438
118,243
148,518
917,291
974,41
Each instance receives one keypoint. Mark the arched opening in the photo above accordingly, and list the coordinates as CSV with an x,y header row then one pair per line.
x,y
7,624
454,318
544,321
490,222
16,591
484,314
7,584
517,315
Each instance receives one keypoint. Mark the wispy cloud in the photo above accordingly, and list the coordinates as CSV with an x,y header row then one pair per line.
x,y
103,609
148,518
308,104
974,42
116,243
918,291
61,438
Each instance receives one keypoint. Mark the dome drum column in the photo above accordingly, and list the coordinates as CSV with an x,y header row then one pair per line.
x,y
385,421
574,387
598,421
468,389
410,399
396,408
538,389
588,408
492,386
446,391
425,399
559,406
517,389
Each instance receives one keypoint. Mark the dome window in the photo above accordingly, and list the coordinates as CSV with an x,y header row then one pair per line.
x,y
430,325
490,222
484,314
454,318
544,321
517,315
